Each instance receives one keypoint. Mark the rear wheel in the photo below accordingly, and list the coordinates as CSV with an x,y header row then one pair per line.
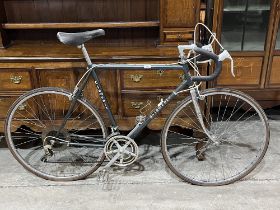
x,y
35,139
239,127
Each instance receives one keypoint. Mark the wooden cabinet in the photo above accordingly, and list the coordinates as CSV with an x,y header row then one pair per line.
x,y
175,16
249,30
143,31
178,19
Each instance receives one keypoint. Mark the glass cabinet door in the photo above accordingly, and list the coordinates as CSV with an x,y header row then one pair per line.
x,y
277,45
245,24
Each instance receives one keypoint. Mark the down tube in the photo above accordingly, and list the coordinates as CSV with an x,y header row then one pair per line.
x,y
161,106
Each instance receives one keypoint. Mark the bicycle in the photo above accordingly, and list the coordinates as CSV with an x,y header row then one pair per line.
x,y
213,137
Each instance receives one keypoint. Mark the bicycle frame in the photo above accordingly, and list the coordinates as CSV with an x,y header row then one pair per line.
x,y
141,125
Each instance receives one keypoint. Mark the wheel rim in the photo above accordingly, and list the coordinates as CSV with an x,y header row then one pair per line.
x,y
241,131
76,150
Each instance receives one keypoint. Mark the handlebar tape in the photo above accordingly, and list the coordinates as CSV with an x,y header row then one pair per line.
x,y
218,65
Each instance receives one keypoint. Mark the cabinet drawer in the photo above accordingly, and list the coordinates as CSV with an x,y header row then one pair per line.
x,y
13,80
135,104
175,36
247,72
63,78
24,111
150,79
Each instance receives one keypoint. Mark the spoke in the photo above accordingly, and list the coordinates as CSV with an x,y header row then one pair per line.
x,y
46,109
29,131
226,108
82,122
26,142
219,108
235,124
34,115
200,131
29,121
197,126
85,128
189,137
77,116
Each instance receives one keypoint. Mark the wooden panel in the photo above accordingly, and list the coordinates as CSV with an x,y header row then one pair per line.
x,y
178,36
181,13
25,110
80,11
247,72
80,25
63,78
150,79
15,80
4,41
274,79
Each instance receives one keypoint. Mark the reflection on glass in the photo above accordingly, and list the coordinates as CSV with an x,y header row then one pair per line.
x,y
255,30
245,30
277,47
235,5
232,31
256,5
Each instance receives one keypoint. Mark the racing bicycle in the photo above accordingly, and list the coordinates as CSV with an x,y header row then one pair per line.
x,y
213,137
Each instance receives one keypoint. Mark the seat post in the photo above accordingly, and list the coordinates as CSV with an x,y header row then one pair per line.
x,y
86,55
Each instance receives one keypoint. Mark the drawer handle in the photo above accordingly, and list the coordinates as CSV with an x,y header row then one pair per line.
x,y
159,98
179,37
182,77
16,79
136,77
22,107
136,105
160,72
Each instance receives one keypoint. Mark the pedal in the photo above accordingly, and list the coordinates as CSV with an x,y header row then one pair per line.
x,y
103,176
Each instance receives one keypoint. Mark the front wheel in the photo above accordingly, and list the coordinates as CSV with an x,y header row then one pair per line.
x,y
238,126
37,139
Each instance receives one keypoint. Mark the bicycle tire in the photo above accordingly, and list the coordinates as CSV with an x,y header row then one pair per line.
x,y
12,147
194,178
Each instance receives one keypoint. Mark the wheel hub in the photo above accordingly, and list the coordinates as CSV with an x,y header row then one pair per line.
x,y
52,141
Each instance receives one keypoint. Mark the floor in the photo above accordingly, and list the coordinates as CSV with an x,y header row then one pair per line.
x,y
148,185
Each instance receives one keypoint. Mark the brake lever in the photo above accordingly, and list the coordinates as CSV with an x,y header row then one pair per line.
x,y
225,55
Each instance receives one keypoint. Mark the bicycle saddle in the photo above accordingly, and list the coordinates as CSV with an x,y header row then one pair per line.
x,y
79,38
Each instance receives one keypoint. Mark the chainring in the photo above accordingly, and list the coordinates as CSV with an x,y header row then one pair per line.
x,y
123,146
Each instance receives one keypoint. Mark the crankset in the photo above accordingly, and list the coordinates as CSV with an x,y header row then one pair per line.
x,y
122,149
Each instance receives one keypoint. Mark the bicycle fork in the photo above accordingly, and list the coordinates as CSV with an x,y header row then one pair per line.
x,y
195,99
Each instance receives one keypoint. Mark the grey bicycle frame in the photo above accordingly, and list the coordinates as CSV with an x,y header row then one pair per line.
x,y
92,72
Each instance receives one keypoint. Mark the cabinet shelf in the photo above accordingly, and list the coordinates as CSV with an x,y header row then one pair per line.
x,y
143,24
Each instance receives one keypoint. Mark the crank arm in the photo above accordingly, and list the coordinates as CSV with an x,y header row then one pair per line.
x,y
109,164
